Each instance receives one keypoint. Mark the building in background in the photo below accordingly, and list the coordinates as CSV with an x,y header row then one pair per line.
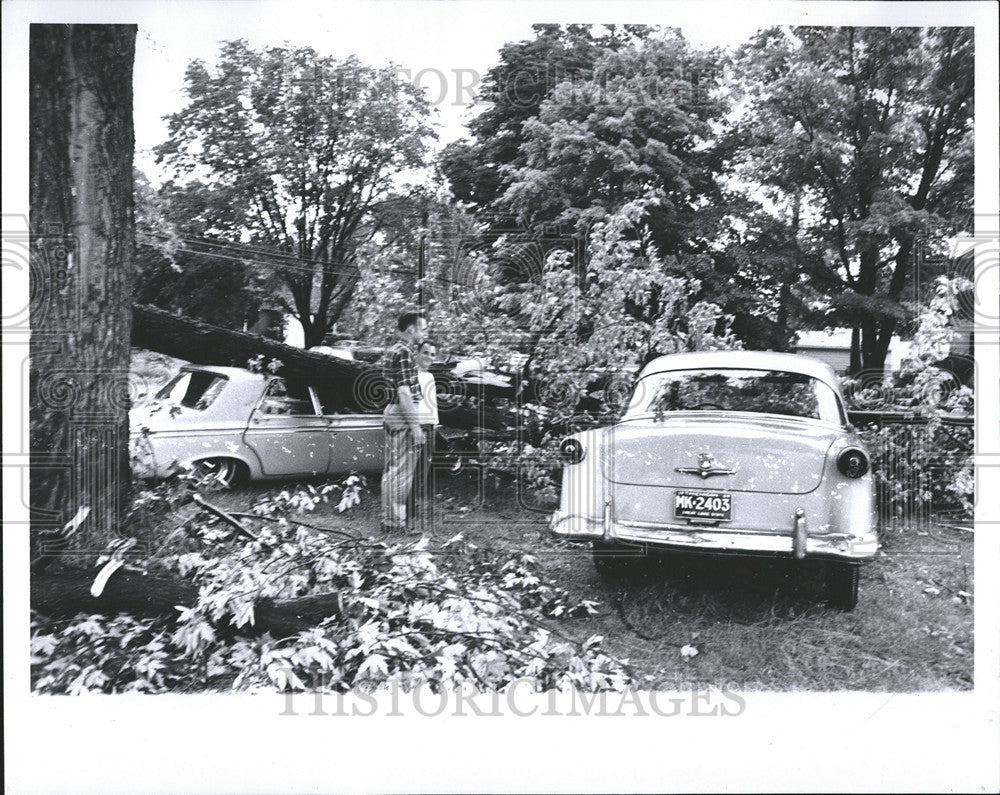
x,y
833,346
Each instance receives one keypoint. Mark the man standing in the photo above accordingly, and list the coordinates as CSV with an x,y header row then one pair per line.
x,y
403,435
418,505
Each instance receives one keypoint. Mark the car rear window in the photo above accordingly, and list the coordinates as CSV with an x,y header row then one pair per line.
x,y
193,389
287,397
755,391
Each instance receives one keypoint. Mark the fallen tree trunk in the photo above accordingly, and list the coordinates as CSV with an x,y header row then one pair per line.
x,y
203,343
361,384
65,592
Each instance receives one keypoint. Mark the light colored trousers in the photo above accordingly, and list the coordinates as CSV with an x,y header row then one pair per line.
x,y
401,457
418,506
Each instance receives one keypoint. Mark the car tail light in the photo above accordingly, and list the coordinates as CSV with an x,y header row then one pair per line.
x,y
852,462
571,450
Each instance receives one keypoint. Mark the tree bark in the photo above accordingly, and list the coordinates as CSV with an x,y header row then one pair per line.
x,y
81,256
855,366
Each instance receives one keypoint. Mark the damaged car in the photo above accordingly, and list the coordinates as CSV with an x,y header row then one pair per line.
x,y
228,425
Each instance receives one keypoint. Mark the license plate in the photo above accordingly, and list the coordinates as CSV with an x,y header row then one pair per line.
x,y
714,505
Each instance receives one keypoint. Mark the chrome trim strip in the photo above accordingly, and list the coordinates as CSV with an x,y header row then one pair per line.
x,y
694,527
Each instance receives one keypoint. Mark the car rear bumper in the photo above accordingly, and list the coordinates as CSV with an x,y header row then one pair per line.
x,y
798,542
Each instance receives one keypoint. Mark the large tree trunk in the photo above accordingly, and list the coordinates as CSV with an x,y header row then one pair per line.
x,y
82,251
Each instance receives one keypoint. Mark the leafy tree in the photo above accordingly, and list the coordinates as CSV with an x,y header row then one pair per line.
x,y
635,129
181,268
869,130
580,125
527,72
764,276
617,308
622,309
626,118
298,154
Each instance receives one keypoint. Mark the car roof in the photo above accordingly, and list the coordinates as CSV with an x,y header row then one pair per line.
x,y
744,360
235,374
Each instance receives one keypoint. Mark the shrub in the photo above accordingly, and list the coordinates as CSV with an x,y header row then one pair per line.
x,y
928,466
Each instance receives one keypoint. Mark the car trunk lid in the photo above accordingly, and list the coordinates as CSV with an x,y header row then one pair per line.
x,y
766,455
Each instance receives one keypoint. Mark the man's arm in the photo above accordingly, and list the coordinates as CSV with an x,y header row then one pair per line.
x,y
408,408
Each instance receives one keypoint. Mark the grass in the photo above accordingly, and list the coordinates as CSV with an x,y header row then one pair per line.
x,y
757,625
765,630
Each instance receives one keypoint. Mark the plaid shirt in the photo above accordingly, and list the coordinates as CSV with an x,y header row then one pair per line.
x,y
400,370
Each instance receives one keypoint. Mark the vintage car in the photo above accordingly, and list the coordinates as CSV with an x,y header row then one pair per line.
x,y
726,452
228,424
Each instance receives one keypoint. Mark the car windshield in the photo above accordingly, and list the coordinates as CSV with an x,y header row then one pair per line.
x,y
756,391
193,389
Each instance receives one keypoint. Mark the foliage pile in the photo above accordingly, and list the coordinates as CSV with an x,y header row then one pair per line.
x,y
439,617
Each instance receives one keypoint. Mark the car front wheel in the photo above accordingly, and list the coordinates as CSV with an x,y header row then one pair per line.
x,y
842,585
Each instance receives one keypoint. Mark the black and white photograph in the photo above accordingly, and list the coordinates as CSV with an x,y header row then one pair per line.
x,y
398,395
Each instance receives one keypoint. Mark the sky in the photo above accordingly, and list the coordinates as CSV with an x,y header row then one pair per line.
x,y
445,45
442,47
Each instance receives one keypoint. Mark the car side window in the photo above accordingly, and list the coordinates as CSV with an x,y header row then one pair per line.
x,y
287,397
338,401
331,401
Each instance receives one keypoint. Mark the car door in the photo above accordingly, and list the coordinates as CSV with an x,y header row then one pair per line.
x,y
287,432
357,440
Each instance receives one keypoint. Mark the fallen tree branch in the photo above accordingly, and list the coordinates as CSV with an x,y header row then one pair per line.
x,y
279,519
357,385
225,517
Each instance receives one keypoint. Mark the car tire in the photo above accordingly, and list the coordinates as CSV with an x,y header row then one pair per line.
x,y
217,473
842,585
615,561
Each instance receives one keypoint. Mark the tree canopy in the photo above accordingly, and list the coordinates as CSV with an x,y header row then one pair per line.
x,y
298,153
514,89
631,116
870,130
798,182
